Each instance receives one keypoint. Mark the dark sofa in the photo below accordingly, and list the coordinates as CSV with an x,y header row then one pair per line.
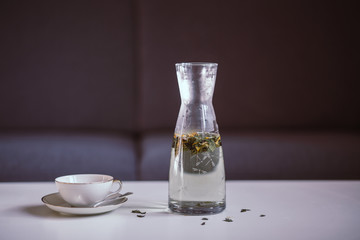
x,y
90,86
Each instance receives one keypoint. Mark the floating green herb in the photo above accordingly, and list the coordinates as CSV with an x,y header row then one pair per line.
x,y
140,216
204,219
197,142
228,220
201,152
245,210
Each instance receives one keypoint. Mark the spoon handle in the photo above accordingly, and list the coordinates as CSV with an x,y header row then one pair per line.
x,y
119,196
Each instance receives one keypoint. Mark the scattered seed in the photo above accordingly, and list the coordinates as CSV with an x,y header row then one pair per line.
x,y
262,215
245,210
204,219
203,223
140,216
228,220
138,211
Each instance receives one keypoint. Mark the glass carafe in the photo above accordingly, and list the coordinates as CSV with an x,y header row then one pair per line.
x,y
197,174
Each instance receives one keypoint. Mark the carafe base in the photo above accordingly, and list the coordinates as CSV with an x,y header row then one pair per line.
x,y
197,207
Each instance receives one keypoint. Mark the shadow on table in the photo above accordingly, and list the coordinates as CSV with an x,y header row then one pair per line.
x,y
154,207
45,212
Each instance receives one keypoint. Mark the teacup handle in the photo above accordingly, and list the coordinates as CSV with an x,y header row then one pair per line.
x,y
115,181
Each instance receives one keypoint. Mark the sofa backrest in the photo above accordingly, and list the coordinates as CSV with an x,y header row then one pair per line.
x,y
282,64
67,65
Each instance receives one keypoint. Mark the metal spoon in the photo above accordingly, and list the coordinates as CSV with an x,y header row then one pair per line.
x,y
116,198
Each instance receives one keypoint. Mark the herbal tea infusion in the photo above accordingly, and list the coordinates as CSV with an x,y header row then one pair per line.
x,y
197,175
201,151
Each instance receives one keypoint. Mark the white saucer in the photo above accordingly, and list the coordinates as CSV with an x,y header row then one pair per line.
x,y
55,202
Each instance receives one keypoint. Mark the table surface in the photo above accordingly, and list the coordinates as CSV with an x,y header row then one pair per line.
x,y
293,210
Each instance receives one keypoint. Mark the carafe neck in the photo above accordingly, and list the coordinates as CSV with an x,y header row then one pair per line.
x,y
196,82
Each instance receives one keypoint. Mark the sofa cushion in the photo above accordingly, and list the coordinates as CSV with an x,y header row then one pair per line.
x,y
268,155
67,64
40,157
292,155
155,156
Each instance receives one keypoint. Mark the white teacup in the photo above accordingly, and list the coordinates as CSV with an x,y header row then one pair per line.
x,y
85,190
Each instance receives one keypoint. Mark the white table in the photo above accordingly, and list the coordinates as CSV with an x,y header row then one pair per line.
x,y
294,210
